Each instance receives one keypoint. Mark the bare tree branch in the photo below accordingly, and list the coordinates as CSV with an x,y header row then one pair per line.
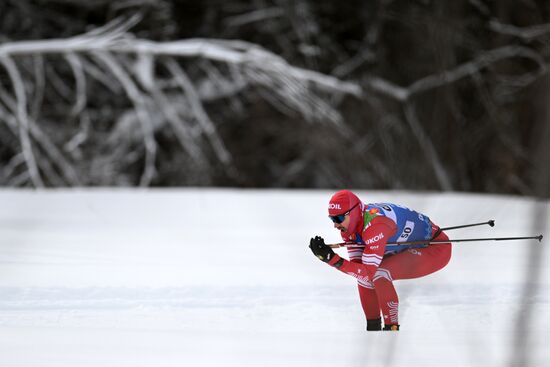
x,y
185,134
464,70
44,142
300,90
233,52
524,33
199,112
100,75
78,71
472,67
40,82
427,146
165,85
253,16
143,114
23,118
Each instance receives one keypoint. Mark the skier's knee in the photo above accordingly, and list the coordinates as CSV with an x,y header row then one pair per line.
x,y
382,275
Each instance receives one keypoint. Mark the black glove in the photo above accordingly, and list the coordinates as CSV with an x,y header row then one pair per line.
x,y
319,249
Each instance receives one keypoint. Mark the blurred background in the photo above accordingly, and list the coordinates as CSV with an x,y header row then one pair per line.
x,y
414,95
419,100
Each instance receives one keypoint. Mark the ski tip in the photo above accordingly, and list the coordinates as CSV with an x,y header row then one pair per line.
x,y
540,238
491,222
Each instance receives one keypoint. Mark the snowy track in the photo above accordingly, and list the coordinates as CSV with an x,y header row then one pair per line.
x,y
224,278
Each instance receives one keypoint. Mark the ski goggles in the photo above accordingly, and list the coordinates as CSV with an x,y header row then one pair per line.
x,y
340,218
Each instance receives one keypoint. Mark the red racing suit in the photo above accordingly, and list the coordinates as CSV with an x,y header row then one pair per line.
x,y
376,266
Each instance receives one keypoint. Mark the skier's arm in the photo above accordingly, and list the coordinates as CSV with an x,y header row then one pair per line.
x,y
375,237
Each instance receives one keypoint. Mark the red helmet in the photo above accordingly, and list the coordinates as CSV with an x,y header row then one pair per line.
x,y
346,201
342,202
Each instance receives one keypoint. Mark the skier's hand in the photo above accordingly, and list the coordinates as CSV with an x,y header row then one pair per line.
x,y
319,249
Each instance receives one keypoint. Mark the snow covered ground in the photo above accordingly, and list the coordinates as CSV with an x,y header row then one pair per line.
x,y
224,278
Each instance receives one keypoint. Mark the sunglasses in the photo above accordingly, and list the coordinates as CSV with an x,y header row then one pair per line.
x,y
340,218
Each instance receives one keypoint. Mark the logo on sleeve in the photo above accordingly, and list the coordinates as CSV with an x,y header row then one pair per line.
x,y
374,239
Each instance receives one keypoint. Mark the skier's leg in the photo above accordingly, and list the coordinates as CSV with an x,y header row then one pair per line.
x,y
419,262
367,294
371,308
387,297
413,263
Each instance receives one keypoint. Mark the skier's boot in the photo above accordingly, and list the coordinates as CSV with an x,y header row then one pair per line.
x,y
393,327
374,324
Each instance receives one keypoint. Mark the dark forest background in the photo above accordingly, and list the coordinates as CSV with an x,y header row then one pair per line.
x,y
416,95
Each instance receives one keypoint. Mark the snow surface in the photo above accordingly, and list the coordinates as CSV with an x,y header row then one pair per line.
x,y
211,277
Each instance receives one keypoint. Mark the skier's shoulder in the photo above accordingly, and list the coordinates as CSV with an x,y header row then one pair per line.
x,y
392,209
374,210
375,214
382,207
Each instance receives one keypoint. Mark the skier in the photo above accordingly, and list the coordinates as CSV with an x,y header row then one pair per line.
x,y
374,264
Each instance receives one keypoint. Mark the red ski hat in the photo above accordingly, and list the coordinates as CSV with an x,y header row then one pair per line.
x,y
342,202
346,201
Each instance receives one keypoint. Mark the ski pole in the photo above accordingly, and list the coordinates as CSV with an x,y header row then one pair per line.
x,y
439,230
353,244
490,222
